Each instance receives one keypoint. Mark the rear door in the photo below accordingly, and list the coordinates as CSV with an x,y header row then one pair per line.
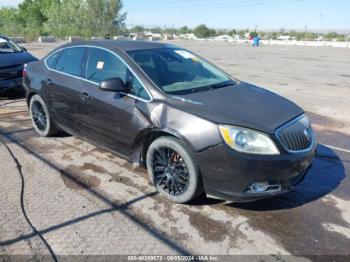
x,y
66,89
115,120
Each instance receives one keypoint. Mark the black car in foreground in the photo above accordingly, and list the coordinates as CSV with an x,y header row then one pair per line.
x,y
194,127
12,60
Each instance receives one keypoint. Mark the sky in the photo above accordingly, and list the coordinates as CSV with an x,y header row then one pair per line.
x,y
240,14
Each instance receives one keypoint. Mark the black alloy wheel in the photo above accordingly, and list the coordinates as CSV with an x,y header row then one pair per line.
x,y
39,116
173,170
170,171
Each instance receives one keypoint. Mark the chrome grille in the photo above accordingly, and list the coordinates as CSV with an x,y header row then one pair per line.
x,y
296,135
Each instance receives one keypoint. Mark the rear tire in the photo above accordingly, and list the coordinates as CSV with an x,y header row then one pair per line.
x,y
173,170
40,117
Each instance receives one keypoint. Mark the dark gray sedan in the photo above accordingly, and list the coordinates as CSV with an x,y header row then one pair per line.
x,y
196,129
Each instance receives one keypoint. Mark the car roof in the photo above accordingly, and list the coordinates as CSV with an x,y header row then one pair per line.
x,y
124,45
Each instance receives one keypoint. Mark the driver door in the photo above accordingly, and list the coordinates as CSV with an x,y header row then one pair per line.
x,y
113,121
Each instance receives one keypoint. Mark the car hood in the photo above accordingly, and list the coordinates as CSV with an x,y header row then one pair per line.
x,y
9,59
243,105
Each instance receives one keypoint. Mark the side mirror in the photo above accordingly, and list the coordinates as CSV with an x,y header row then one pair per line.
x,y
24,49
113,85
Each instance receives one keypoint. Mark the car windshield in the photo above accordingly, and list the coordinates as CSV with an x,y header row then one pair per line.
x,y
7,46
178,71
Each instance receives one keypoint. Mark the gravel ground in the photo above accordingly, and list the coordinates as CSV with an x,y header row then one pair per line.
x,y
78,199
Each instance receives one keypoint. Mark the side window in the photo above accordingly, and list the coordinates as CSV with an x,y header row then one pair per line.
x,y
70,61
103,65
52,60
137,89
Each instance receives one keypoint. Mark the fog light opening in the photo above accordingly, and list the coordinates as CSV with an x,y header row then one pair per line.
x,y
264,187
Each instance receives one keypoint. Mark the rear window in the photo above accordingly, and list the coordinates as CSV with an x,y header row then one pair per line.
x,y
70,61
52,60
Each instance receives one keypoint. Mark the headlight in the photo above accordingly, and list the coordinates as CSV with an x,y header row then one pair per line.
x,y
248,141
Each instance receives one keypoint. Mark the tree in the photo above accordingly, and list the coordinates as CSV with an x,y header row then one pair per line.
x,y
202,31
69,18
330,36
10,21
341,38
105,16
233,32
32,16
118,17
272,35
63,18
184,30
156,30
212,32
137,29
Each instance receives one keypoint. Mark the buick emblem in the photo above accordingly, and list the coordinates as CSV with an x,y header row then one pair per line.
x,y
307,133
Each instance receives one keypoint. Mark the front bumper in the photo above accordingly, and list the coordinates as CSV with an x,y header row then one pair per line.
x,y
7,84
227,174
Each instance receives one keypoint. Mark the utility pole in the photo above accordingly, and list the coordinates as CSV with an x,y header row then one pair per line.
x,y
321,25
305,34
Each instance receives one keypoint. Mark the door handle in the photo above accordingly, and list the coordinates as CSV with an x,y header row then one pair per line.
x,y
49,82
85,96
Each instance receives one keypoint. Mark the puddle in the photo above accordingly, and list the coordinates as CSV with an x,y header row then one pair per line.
x,y
94,168
75,172
209,229
300,231
115,176
297,219
67,156
44,145
77,142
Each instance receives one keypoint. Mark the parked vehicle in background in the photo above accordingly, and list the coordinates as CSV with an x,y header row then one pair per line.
x,y
12,60
193,126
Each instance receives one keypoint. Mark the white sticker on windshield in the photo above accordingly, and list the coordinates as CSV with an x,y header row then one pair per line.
x,y
100,65
185,54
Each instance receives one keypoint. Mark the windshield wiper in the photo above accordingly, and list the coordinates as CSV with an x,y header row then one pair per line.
x,y
201,89
213,86
222,84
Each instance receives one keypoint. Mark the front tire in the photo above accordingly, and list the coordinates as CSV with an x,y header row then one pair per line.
x,y
40,117
173,170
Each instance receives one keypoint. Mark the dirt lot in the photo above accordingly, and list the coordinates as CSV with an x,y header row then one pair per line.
x,y
72,198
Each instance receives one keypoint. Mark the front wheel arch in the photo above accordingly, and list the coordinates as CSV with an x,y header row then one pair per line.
x,y
148,137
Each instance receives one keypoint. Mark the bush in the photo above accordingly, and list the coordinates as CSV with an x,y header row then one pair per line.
x,y
253,34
